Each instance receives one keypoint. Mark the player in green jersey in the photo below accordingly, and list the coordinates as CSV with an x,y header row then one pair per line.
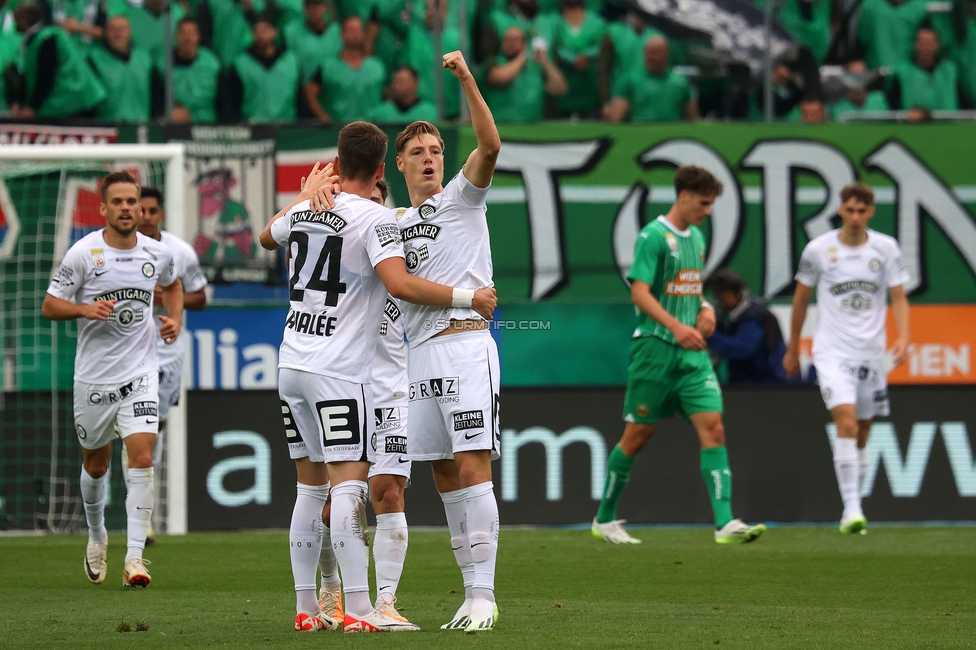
x,y
669,368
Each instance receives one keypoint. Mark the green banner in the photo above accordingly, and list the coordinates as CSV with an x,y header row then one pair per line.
x,y
568,201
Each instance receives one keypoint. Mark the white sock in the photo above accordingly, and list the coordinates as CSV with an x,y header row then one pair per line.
x,y
862,468
482,525
93,496
846,468
158,448
349,543
305,540
138,508
125,466
389,553
455,506
327,561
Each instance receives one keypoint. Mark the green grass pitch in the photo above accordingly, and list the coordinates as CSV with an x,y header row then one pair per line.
x,y
794,588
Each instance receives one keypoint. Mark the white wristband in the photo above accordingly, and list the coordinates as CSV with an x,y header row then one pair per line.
x,y
462,298
705,303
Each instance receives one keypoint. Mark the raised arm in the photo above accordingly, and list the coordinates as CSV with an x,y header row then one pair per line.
x,y
801,300
480,165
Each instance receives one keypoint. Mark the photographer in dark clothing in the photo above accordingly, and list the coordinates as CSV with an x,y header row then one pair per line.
x,y
748,335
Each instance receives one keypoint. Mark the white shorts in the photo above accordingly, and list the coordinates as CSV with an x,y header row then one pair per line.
x,y
325,418
132,407
454,382
390,441
170,375
861,382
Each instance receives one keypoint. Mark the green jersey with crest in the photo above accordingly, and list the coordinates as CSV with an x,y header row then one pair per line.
x,y
671,262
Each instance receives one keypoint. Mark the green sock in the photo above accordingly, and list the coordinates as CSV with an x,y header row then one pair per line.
x,y
718,479
618,470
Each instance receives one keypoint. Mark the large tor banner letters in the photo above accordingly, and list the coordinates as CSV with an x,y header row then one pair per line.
x,y
581,193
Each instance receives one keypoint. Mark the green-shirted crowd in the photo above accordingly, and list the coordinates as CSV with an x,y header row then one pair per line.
x,y
344,60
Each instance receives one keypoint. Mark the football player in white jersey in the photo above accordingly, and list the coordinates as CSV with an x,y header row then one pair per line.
x,y
454,369
194,299
853,270
389,474
111,275
341,259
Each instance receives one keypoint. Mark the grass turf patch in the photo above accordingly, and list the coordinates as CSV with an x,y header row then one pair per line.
x,y
795,587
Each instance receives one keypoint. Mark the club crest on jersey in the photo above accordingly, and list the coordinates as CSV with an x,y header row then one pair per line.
x,y
415,256
126,316
874,264
427,211
672,244
399,213
148,269
98,258
832,254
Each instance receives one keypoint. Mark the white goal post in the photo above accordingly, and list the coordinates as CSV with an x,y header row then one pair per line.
x,y
165,160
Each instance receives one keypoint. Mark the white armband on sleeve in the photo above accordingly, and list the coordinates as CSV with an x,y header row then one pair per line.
x,y
462,298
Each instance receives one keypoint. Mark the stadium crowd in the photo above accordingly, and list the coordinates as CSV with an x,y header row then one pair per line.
x,y
341,61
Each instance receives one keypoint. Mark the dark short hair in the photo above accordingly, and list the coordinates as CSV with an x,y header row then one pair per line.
x,y
696,180
858,191
153,193
121,176
725,280
410,69
31,12
384,189
362,148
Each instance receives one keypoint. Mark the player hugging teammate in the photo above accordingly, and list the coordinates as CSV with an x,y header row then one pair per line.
x,y
340,260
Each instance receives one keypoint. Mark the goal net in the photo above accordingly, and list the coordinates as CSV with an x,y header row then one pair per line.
x,y
49,198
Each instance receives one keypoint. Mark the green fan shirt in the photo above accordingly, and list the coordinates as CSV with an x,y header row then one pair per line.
x,y
418,53
935,91
349,95
875,101
149,30
390,113
566,45
654,98
231,31
128,84
76,88
671,262
195,85
311,47
520,101
269,93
